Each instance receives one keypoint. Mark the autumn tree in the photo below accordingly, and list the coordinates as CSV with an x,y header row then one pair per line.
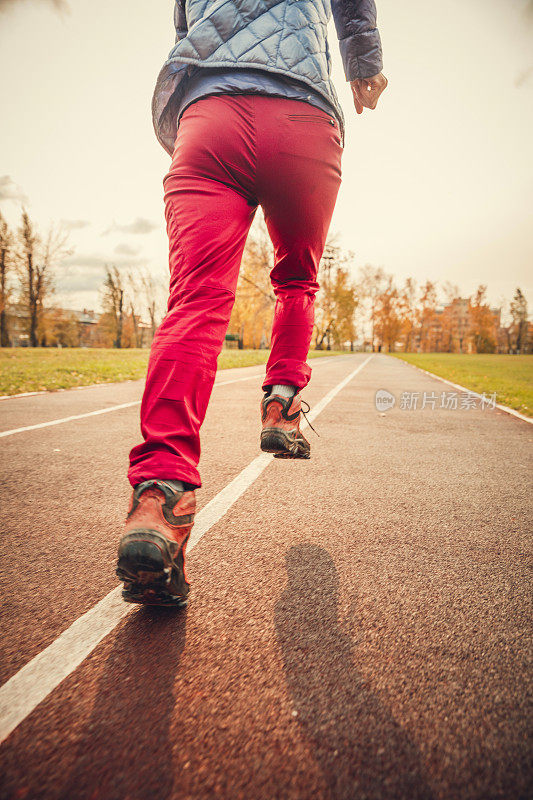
x,y
6,262
253,310
387,316
345,303
337,299
426,315
482,323
59,328
408,313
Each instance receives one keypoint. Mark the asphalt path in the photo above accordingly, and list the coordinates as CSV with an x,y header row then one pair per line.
x,y
359,625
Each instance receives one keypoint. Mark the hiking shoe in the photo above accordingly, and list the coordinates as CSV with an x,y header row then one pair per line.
x,y
151,552
281,433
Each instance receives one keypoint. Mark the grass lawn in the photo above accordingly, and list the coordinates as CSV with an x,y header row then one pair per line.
x,y
27,369
511,377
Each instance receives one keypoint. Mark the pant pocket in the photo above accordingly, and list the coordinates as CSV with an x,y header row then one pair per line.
x,y
314,118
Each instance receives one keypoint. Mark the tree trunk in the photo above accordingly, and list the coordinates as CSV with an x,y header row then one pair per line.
x,y
33,326
32,303
4,338
120,320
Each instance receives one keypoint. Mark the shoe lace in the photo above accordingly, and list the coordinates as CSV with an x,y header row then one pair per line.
x,y
305,412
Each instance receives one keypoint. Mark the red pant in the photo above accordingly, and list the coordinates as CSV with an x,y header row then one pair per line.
x,y
232,153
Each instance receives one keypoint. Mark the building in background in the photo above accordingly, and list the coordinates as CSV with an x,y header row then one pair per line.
x,y
17,319
88,327
461,327
64,327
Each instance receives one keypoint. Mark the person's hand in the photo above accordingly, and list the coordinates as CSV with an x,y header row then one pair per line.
x,y
366,91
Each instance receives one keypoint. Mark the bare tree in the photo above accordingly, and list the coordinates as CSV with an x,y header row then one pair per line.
x,y
32,283
151,288
450,291
113,302
37,258
6,260
519,327
133,298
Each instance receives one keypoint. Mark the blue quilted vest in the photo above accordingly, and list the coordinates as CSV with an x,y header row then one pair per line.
x,y
280,36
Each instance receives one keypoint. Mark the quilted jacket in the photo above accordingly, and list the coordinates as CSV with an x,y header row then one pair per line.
x,y
288,37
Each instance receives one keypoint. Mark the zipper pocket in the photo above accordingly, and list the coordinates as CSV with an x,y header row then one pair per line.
x,y
311,118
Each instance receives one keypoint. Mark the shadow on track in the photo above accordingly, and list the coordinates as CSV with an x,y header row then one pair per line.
x,y
361,750
125,750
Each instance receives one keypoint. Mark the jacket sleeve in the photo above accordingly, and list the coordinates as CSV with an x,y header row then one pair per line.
x,y
359,40
180,20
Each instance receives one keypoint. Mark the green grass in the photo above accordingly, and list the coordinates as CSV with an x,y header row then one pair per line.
x,y
511,377
37,369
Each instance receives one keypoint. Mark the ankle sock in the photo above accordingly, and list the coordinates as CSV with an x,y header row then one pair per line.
x,y
175,485
284,391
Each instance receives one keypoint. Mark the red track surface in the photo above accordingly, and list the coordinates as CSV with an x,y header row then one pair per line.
x,y
358,626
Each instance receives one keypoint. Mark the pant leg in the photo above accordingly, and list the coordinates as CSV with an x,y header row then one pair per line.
x,y
299,175
209,208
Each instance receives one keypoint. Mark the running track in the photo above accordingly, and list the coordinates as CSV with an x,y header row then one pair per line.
x,y
359,625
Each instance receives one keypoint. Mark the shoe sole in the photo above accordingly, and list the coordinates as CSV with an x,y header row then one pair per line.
x,y
150,575
274,440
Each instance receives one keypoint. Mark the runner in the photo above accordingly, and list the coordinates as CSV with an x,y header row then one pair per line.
x,y
246,106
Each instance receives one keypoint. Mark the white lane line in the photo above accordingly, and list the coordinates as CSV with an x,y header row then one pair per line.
x,y
20,695
507,409
31,394
62,420
318,359
222,502
238,380
100,411
70,389
68,419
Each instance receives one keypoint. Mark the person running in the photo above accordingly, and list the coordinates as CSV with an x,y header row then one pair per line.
x,y
246,107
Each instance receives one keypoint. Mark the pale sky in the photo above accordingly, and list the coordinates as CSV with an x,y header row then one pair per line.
x,y
437,183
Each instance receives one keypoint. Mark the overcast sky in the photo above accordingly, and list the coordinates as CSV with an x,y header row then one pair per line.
x,y
437,183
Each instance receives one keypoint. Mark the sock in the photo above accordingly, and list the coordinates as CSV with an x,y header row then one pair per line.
x,y
175,485
284,391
